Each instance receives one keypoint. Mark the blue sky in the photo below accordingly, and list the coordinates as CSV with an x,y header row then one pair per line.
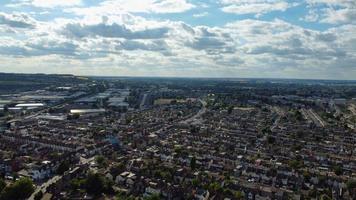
x,y
184,38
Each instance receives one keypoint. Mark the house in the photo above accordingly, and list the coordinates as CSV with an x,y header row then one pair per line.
x,y
41,171
152,189
202,194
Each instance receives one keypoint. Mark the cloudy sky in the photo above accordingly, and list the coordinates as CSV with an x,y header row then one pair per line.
x,y
185,38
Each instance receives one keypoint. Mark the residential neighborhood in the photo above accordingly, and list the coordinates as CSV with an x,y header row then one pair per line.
x,y
164,139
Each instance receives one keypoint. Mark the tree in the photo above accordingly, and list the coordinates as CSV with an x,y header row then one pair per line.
x,y
123,196
38,195
97,184
117,169
193,163
295,164
325,197
298,115
153,197
54,156
2,184
101,161
230,109
215,187
239,195
6,108
195,182
194,129
351,186
63,167
266,131
21,189
73,116
271,139
76,184
322,180
338,170
306,175
272,172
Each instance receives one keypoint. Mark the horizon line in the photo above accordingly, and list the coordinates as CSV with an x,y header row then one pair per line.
x,y
182,77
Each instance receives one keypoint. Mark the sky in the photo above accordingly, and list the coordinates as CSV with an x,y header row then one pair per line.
x,y
310,39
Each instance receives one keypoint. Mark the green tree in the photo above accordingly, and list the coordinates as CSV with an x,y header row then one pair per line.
x,y
338,170
123,196
97,184
306,175
325,197
21,189
117,169
2,184
295,164
63,167
153,197
271,139
101,161
215,187
75,116
76,184
38,195
298,115
272,172
195,182
351,186
239,195
6,108
266,131
193,163
230,109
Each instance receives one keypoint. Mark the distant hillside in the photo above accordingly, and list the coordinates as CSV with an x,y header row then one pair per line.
x,y
10,83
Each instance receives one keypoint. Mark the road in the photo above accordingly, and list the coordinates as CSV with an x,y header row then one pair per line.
x,y
142,104
55,179
195,119
352,108
316,118
189,120
276,122
280,114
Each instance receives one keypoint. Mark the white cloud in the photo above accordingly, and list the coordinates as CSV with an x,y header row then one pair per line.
x,y
112,31
203,14
258,7
312,16
136,6
332,2
332,11
17,20
336,16
55,3
108,40
44,3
